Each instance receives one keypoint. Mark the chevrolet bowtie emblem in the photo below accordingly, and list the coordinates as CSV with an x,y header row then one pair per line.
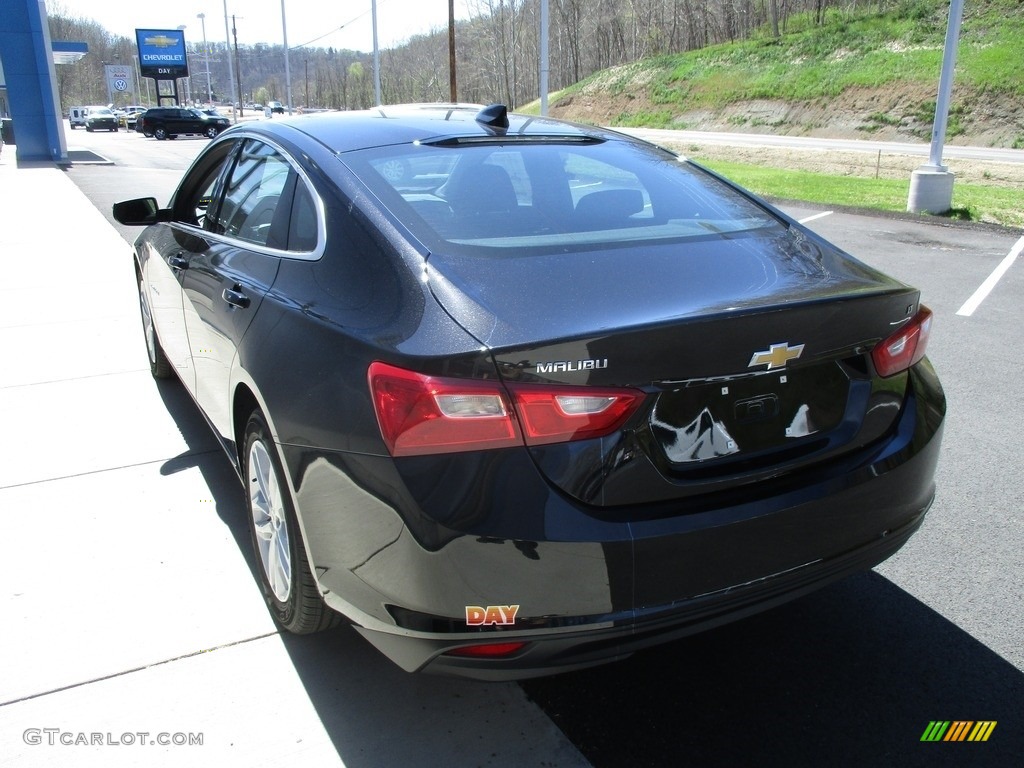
x,y
776,356
161,41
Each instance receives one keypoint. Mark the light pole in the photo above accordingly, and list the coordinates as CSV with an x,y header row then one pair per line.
x,y
544,58
376,55
931,185
184,80
206,55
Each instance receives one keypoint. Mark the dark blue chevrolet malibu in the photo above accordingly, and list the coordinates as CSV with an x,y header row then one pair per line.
x,y
515,396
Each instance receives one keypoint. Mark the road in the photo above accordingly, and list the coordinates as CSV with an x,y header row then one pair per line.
x,y
991,154
849,676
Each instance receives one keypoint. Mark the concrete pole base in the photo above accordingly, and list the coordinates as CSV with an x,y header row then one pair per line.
x,y
931,190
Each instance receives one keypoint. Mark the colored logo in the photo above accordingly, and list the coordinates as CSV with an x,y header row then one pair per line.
x,y
776,356
481,616
959,730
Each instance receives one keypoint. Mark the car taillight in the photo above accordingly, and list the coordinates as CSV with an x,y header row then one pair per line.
x,y
559,414
428,414
905,347
421,414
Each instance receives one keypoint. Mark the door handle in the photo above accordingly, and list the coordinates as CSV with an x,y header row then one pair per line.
x,y
178,261
235,297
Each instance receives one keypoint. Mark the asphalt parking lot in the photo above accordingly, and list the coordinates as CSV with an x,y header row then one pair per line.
x,y
132,608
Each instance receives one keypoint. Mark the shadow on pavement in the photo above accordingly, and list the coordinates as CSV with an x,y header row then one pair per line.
x,y
374,713
849,676
205,454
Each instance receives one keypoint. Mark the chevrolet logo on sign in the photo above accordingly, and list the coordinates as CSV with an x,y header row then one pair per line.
x,y
160,41
776,356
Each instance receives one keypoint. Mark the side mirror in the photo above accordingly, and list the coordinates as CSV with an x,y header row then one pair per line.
x,y
140,212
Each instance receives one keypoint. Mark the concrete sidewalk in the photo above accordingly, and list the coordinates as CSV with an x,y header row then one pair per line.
x,y
126,585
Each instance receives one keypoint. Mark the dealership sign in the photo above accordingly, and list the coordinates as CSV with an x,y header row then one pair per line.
x,y
119,79
162,53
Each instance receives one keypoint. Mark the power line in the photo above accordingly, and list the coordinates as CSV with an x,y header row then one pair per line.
x,y
337,29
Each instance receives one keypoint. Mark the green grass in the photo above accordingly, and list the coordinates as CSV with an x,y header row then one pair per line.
x,y
858,46
975,202
855,48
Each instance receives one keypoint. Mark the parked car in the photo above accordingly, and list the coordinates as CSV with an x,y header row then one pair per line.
x,y
100,119
171,122
275,107
76,117
130,115
517,396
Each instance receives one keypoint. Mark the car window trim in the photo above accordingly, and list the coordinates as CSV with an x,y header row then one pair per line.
x,y
321,228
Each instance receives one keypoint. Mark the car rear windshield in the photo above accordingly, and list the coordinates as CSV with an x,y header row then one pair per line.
x,y
536,195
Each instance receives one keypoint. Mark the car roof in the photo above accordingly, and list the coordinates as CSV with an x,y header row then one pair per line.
x,y
406,123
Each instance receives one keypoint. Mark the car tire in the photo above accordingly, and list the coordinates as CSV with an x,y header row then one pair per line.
x,y
212,132
73,126
159,365
160,133
285,577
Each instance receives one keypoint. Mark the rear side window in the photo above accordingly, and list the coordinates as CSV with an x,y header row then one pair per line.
x,y
544,195
302,234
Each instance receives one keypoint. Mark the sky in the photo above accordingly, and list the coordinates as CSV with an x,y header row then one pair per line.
x,y
323,23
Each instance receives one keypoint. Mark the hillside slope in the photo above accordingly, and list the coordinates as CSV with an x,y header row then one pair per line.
x,y
874,76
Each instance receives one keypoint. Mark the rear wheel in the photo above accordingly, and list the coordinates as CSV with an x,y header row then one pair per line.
x,y
288,585
160,133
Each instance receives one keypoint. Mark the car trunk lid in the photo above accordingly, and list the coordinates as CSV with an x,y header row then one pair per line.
x,y
752,348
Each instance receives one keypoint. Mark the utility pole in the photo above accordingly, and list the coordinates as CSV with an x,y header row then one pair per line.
x,y
227,49
287,68
238,69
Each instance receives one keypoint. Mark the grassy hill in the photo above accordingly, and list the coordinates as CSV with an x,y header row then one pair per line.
x,y
861,74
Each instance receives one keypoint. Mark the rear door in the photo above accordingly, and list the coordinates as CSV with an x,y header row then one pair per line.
x,y
228,278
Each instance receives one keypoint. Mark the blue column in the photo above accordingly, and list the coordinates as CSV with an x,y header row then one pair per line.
x,y
31,81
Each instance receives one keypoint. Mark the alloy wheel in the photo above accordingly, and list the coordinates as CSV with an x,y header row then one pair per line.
x,y
268,516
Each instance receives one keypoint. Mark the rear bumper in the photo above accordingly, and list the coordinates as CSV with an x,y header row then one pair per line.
x,y
549,652
406,548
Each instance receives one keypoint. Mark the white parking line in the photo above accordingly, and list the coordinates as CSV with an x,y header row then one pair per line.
x,y
986,288
815,216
